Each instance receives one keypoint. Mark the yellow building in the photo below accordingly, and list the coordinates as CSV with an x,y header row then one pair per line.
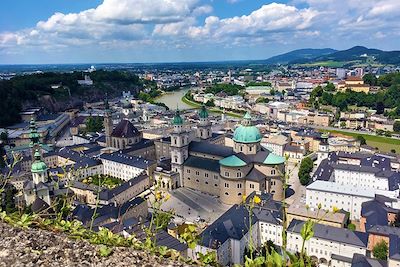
x,y
355,84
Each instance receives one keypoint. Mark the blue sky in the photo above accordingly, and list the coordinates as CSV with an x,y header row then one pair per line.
x,y
91,31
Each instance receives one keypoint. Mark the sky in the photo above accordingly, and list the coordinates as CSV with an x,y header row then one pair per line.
x,y
138,31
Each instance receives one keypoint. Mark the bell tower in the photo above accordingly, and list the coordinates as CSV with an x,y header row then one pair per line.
x,y
204,125
108,125
179,145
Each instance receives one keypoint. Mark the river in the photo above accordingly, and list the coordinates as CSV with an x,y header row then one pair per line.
x,y
171,99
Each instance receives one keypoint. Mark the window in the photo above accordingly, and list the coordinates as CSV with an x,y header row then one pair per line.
x,y
239,174
226,193
206,175
197,180
197,173
215,185
226,174
188,178
188,171
206,182
239,185
252,186
273,172
226,185
215,176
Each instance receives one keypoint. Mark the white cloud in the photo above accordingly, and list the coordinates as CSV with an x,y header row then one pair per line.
x,y
269,18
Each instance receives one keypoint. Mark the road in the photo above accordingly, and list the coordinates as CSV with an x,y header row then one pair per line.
x,y
299,190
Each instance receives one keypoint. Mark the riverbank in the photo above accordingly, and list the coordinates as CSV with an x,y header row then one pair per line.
x,y
384,144
216,110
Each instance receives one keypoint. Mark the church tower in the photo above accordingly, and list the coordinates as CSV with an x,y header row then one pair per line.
x,y
35,139
108,125
204,126
40,178
179,146
323,149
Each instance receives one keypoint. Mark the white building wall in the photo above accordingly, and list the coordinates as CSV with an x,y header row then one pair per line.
x,y
322,248
328,200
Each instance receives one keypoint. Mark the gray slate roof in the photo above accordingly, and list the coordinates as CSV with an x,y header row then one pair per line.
x,y
202,163
340,235
126,159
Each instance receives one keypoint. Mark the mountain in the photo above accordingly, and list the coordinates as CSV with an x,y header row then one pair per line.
x,y
360,52
299,55
328,56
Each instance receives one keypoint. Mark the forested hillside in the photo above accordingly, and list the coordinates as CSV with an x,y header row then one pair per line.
x,y
27,90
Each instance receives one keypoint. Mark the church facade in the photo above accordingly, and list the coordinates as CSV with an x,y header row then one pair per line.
x,y
227,172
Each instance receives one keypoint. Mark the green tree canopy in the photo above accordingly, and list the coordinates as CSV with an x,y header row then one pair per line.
x,y
396,126
361,139
94,124
380,251
306,166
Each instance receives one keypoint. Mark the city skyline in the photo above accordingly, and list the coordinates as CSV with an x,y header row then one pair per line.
x,y
188,30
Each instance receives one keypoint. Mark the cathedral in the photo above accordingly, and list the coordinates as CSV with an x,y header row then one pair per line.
x,y
227,172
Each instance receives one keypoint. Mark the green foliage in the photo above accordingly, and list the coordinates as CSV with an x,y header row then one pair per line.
x,y
29,88
105,251
351,226
190,236
370,79
262,100
258,84
272,92
361,139
306,166
94,124
330,87
396,126
387,98
210,103
229,89
103,180
380,251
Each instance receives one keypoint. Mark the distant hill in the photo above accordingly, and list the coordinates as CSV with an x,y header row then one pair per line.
x,y
328,56
362,53
299,55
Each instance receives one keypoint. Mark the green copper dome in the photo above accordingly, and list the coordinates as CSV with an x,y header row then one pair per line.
x,y
273,159
247,133
177,118
38,165
232,161
203,112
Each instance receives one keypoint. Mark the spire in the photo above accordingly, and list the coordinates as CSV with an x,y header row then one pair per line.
x,y
177,118
38,165
203,112
247,119
106,105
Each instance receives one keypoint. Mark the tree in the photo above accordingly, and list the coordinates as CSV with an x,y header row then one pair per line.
x,y
380,251
396,126
94,124
262,100
330,87
361,139
306,166
370,79
380,107
272,92
210,103
393,150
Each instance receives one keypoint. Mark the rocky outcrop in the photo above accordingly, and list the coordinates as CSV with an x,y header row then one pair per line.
x,y
35,247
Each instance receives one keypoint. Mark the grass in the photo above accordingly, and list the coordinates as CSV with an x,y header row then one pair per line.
x,y
385,144
106,181
197,105
328,63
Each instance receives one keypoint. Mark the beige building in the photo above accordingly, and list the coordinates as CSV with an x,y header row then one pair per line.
x,y
355,84
227,172
300,212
